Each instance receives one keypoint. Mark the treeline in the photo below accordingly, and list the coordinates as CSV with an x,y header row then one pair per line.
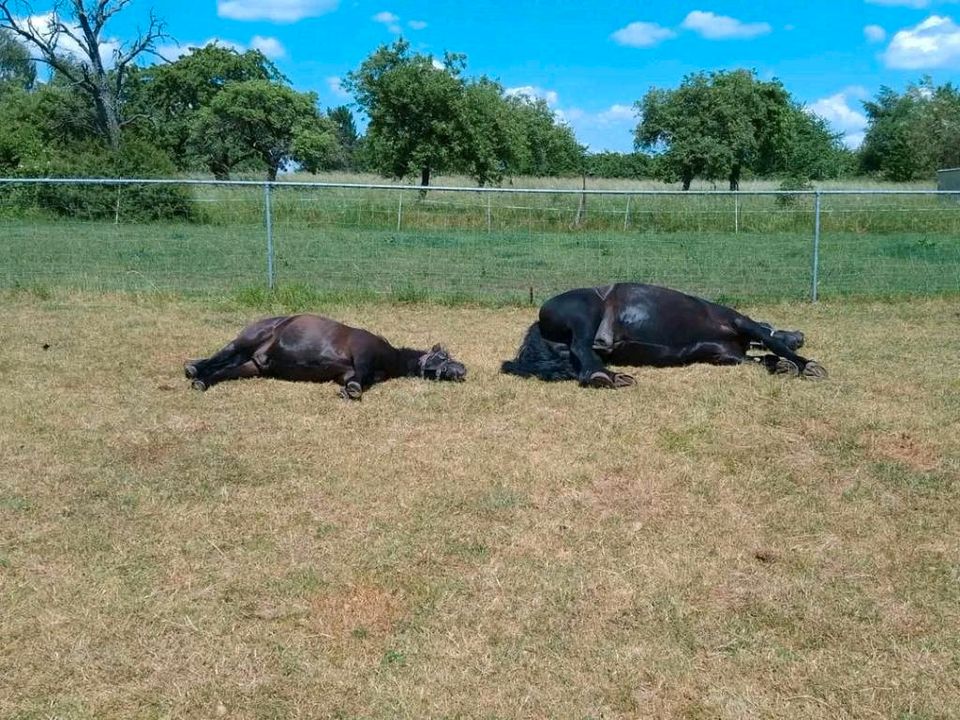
x,y
221,112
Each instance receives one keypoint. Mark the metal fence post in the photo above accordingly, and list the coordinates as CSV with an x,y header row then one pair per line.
x,y
399,210
269,218
816,247
736,213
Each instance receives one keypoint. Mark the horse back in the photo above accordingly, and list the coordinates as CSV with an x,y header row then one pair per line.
x,y
662,316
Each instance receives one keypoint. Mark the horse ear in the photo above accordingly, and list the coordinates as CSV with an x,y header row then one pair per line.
x,y
436,348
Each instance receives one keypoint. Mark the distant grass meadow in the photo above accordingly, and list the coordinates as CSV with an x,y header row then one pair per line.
x,y
502,247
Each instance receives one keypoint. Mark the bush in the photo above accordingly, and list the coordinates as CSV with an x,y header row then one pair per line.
x,y
792,183
136,159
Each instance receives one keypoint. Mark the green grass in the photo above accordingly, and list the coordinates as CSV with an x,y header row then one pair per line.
x,y
505,266
502,247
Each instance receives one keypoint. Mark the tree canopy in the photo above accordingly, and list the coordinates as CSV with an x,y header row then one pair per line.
x,y
171,102
721,124
101,107
17,69
82,23
426,117
912,134
277,124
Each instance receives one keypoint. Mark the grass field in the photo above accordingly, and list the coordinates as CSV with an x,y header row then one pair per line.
x,y
502,247
507,266
713,543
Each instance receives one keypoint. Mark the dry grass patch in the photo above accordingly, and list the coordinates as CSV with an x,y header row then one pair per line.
x,y
713,542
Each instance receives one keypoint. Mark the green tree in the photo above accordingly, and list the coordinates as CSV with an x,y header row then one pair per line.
x,y
413,108
547,147
347,135
17,70
41,125
715,125
168,100
83,23
910,135
489,136
619,165
809,150
277,124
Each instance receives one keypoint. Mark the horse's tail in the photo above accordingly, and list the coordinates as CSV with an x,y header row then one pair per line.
x,y
540,358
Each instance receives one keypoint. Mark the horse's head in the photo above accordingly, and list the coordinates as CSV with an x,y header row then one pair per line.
x,y
438,365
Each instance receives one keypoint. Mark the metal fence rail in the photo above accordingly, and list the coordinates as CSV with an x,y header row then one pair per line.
x,y
473,243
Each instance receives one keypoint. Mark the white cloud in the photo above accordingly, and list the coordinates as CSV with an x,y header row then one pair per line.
x,y
336,89
532,91
917,4
280,11
616,114
609,129
934,43
417,24
836,110
642,34
720,27
269,46
44,25
390,20
854,140
874,33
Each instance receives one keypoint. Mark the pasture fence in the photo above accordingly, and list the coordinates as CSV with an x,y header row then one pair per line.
x,y
501,243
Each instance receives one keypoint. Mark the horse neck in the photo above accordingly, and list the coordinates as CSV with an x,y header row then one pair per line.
x,y
406,362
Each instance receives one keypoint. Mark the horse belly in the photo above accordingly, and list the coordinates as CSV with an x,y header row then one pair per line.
x,y
306,367
644,353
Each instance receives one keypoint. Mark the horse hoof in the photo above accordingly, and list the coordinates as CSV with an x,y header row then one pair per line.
x,y
199,385
351,391
786,367
814,371
600,380
190,371
622,380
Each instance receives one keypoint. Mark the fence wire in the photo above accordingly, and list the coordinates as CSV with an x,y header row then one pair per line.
x,y
506,244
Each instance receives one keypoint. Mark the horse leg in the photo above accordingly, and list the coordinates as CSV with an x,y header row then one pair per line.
x,y
800,365
793,339
246,369
590,368
228,355
355,379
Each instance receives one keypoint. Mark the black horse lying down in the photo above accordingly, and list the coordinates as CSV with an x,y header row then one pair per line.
x,y
317,349
635,324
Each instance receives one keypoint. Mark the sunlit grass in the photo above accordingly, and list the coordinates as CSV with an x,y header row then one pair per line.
x,y
713,542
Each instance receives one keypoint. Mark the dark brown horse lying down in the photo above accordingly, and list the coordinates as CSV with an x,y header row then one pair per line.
x,y
635,324
318,349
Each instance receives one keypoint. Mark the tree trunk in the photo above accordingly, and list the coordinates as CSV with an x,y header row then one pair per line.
x,y
687,179
425,175
735,177
272,173
219,167
107,117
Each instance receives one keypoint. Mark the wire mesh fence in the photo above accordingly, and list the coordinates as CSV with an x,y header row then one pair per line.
x,y
473,244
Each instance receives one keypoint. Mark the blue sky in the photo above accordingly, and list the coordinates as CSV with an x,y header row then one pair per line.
x,y
592,61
